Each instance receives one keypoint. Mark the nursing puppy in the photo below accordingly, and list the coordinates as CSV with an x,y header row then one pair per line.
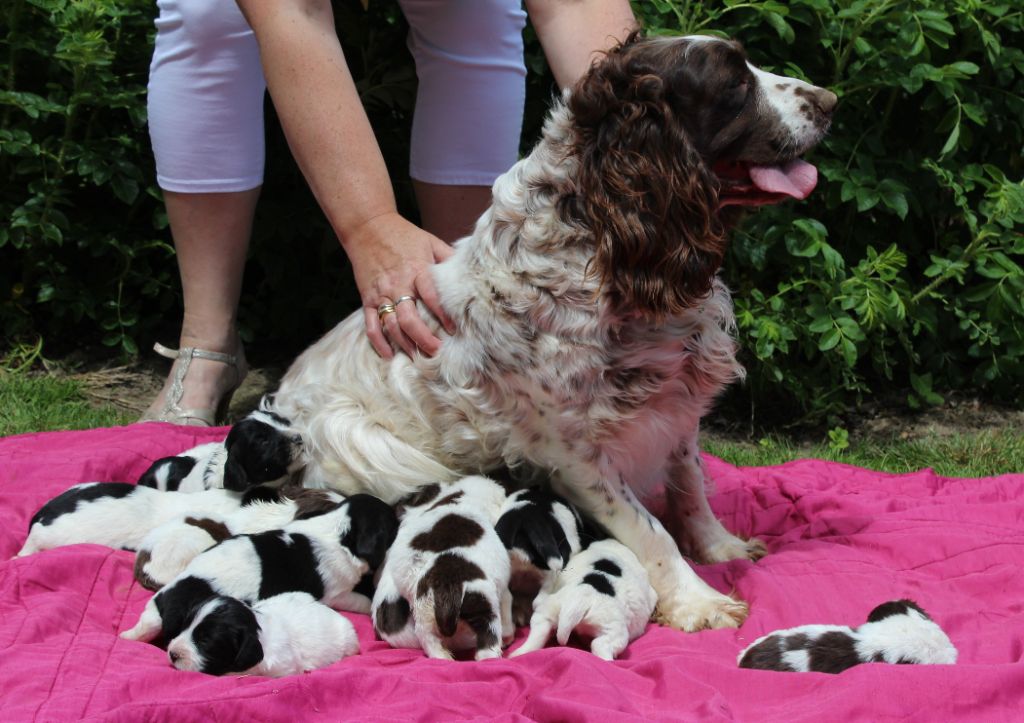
x,y
287,634
444,584
168,549
260,449
117,514
325,556
603,593
541,532
896,632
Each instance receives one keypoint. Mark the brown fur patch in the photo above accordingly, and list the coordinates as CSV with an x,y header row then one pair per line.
x,y
141,560
448,499
480,616
424,495
445,580
392,616
311,503
217,530
448,532
766,655
832,652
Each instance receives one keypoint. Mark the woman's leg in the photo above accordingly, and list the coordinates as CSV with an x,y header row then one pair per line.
x,y
469,107
206,124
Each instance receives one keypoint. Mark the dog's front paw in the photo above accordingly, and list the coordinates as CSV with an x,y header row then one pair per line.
x,y
733,548
701,611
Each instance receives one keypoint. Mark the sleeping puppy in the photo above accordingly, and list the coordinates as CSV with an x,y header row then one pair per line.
x,y
325,556
541,531
603,593
117,514
898,632
287,634
444,584
260,449
168,549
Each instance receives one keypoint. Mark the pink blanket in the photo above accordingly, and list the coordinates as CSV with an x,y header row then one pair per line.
x,y
841,540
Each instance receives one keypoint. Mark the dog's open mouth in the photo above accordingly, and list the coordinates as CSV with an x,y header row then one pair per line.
x,y
745,184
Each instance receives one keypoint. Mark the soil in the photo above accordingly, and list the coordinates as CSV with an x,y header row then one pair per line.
x,y
132,387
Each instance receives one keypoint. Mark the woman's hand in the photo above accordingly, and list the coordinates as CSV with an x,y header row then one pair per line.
x,y
391,258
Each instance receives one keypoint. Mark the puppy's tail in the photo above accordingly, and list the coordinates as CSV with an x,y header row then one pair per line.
x,y
571,615
447,606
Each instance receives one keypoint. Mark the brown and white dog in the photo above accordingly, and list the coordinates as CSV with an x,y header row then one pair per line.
x,y
593,333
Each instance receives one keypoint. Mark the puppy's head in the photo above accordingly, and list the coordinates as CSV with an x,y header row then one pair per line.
x,y
223,638
900,631
262,448
372,528
668,131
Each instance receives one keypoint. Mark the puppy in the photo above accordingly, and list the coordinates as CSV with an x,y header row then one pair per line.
x,y
444,584
541,532
896,632
261,449
117,514
168,549
287,634
603,593
325,556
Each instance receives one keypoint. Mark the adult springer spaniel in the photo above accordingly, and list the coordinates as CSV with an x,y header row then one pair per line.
x,y
592,333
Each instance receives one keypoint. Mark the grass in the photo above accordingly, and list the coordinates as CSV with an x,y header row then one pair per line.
x,y
34,403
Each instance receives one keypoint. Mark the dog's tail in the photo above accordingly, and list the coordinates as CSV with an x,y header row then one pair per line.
x,y
571,615
448,606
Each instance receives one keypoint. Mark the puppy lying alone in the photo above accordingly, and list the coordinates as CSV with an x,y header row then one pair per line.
x,y
117,514
444,584
325,556
896,632
168,549
287,634
603,593
260,449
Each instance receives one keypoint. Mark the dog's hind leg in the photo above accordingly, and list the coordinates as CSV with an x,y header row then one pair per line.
x,y
700,535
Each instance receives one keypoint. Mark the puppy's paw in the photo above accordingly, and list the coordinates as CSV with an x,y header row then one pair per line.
x,y
733,548
701,610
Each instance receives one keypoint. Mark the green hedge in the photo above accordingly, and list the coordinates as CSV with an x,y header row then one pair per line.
x,y
903,272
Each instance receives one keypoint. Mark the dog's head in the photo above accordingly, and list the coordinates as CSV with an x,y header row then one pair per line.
x,y
372,528
262,448
667,133
223,638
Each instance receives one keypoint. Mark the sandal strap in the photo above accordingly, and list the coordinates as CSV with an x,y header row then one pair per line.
x,y
190,352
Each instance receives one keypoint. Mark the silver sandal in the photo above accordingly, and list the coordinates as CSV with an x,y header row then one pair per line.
x,y
201,417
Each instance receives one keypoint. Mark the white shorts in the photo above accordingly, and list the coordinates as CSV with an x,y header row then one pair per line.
x,y
206,91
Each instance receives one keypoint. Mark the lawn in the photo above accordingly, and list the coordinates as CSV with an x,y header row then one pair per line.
x,y
34,403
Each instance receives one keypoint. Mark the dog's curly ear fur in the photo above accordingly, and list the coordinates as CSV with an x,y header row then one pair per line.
x,y
644,194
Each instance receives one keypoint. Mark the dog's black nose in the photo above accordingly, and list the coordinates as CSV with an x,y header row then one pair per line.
x,y
173,656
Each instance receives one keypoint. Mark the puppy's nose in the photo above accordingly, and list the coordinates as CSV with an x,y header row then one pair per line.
x,y
825,100
173,656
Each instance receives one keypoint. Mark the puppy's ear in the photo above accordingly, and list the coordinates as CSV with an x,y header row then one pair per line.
x,y
644,195
250,651
372,529
235,477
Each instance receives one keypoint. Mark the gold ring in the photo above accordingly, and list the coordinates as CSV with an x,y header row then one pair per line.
x,y
400,299
383,310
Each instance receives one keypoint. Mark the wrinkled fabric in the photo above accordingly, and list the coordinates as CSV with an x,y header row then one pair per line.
x,y
841,540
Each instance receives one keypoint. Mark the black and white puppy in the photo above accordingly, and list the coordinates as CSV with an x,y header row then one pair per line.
x,y
325,556
541,531
168,549
287,634
444,584
261,449
117,514
603,593
898,632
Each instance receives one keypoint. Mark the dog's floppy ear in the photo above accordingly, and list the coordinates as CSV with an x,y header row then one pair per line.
x,y
250,650
645,194
372,528
235,477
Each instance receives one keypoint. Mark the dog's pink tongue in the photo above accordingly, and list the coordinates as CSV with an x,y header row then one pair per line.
x,y
797,178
